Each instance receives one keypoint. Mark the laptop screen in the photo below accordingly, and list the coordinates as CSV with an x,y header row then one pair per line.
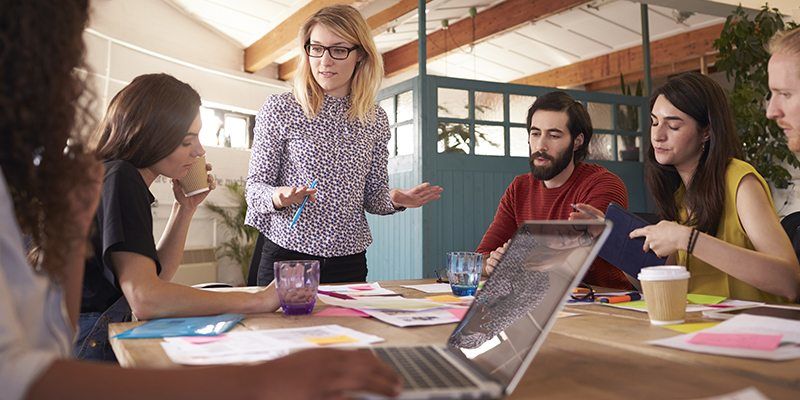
x,y
511,314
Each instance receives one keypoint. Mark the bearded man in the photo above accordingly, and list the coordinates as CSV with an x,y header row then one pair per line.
x,y
559,133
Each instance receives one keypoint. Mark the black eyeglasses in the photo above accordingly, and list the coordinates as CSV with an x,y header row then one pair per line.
x,y
583,292
336,52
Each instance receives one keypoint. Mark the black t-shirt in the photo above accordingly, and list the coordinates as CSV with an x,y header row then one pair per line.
x,y
123,223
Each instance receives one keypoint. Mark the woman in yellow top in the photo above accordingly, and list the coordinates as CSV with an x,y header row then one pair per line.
x,y
728,234
717,213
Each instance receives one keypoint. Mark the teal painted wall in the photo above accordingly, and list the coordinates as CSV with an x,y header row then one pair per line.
x,y
413,244
396,250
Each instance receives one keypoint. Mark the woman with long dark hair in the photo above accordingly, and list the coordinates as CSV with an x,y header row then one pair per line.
x,y
49,188
717,214
150,129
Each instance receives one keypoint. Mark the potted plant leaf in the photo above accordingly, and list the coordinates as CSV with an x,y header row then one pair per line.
x,y
628,120
743,57
239,247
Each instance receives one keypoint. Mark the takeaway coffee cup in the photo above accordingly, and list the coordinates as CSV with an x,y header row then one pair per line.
x,y
664,290
196,181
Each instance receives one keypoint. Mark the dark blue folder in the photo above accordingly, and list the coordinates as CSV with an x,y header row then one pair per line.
x,y
620,250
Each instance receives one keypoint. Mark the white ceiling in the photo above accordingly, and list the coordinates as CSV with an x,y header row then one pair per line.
x,y
585,32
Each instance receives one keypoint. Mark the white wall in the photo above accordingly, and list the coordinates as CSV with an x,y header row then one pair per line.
x,y
129,38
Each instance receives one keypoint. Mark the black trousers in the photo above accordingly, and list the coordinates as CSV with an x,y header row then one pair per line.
x,y
351,268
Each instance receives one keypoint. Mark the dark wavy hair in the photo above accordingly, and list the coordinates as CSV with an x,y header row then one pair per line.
x,y
44,117
147,120
704,100
578,120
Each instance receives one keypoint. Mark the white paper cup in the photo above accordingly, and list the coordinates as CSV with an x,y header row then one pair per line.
x,y
665,290
196,180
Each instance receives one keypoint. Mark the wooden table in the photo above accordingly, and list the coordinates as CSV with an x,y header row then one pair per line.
x,y
600,354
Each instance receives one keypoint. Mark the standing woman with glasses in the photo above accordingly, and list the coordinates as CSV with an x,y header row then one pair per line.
x,y
327,132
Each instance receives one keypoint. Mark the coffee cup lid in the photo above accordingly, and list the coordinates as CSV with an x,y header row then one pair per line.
x,y
663,273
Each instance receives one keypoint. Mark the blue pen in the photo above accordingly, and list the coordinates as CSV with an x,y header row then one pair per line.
x,y
302,205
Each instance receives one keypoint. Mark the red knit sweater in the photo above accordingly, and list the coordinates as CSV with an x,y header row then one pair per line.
x,y
527,198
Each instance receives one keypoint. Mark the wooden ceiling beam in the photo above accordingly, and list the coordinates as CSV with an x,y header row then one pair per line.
x,y
497,19
377,23
668,56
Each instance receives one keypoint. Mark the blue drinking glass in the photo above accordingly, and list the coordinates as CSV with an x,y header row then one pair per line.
x,y
464,272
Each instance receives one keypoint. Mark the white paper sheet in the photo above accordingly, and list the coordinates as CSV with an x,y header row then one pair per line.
x,y
359,289
394,303
261,345
414,318
689,306
431,288
745,324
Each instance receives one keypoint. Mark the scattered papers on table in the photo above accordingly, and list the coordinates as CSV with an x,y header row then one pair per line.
x,y
640,305
340,312
431,288
704,298
418,318
450,300
690,326
733,333
260,345
359,289
394,303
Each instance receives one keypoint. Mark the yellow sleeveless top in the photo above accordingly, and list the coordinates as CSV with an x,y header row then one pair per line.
x,y
705,278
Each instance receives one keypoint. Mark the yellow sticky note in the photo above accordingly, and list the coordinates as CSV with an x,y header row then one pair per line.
x,y
691,327
444,298
704,298
328,340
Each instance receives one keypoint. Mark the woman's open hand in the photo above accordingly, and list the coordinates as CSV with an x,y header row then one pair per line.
x,y
417,196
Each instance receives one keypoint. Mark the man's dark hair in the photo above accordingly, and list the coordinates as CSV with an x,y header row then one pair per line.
x,y
578,120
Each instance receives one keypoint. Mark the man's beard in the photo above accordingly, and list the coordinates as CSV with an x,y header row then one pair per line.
x,y
557,164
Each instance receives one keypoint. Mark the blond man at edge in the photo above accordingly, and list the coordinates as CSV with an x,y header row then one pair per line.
x,y
784,86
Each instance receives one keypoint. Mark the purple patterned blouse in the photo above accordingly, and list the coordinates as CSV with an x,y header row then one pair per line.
x,y
348,159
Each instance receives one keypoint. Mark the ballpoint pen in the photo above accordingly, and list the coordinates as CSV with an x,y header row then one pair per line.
x,y
302,205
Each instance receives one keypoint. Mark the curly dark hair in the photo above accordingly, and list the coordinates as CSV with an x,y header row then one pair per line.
x,y
44,116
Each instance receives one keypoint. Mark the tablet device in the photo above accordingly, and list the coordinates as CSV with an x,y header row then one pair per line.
x,y
620,250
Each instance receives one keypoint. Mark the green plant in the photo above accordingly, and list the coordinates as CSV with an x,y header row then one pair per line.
x,y
743,57
455,136
628,115
242,242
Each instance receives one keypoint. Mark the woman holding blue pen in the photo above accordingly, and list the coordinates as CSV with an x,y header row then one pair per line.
x,y
328,131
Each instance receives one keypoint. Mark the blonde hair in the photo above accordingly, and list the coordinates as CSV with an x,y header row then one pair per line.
x,y
785,42
346,22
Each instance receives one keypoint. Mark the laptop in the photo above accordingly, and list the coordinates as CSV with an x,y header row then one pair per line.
x,y
489,351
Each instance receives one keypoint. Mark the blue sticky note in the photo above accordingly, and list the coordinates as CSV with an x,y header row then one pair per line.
x,y
192,326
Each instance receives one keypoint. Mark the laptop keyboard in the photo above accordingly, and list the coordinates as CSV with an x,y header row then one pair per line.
x,y
423,368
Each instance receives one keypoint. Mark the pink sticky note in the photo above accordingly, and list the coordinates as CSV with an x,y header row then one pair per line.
x,y
340,312
204,339
458,312
738,340
361,287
